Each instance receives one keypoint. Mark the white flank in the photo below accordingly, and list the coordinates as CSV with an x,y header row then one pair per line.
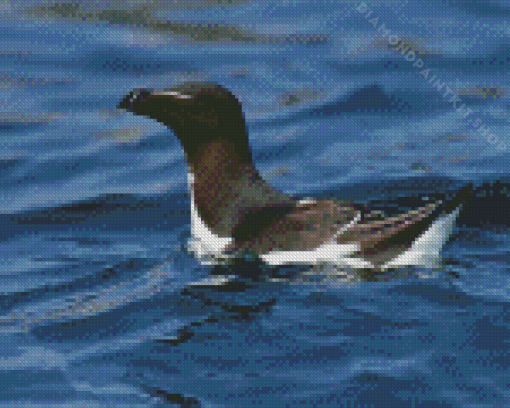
x,y
425,249
331,251
325,253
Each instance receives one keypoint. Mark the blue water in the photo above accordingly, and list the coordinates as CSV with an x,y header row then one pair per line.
x,y
102,306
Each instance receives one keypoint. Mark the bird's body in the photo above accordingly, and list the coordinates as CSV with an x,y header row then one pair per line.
x,y
233,209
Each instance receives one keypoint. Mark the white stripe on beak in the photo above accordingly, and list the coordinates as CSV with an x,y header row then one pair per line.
x,y
173,93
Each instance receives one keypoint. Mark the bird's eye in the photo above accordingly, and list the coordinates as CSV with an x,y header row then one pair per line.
x,y
139,95
134,97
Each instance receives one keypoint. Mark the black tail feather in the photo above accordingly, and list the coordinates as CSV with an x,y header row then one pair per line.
x,y
463,197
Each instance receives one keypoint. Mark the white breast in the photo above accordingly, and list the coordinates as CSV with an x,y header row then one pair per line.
x,y
206,245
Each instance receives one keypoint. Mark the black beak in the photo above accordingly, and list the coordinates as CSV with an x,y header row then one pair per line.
x,y
133,98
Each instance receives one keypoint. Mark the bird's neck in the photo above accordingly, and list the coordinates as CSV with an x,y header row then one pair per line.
x,y
225,186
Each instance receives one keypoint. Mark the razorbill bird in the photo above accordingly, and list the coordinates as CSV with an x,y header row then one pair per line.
x,y
233,209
